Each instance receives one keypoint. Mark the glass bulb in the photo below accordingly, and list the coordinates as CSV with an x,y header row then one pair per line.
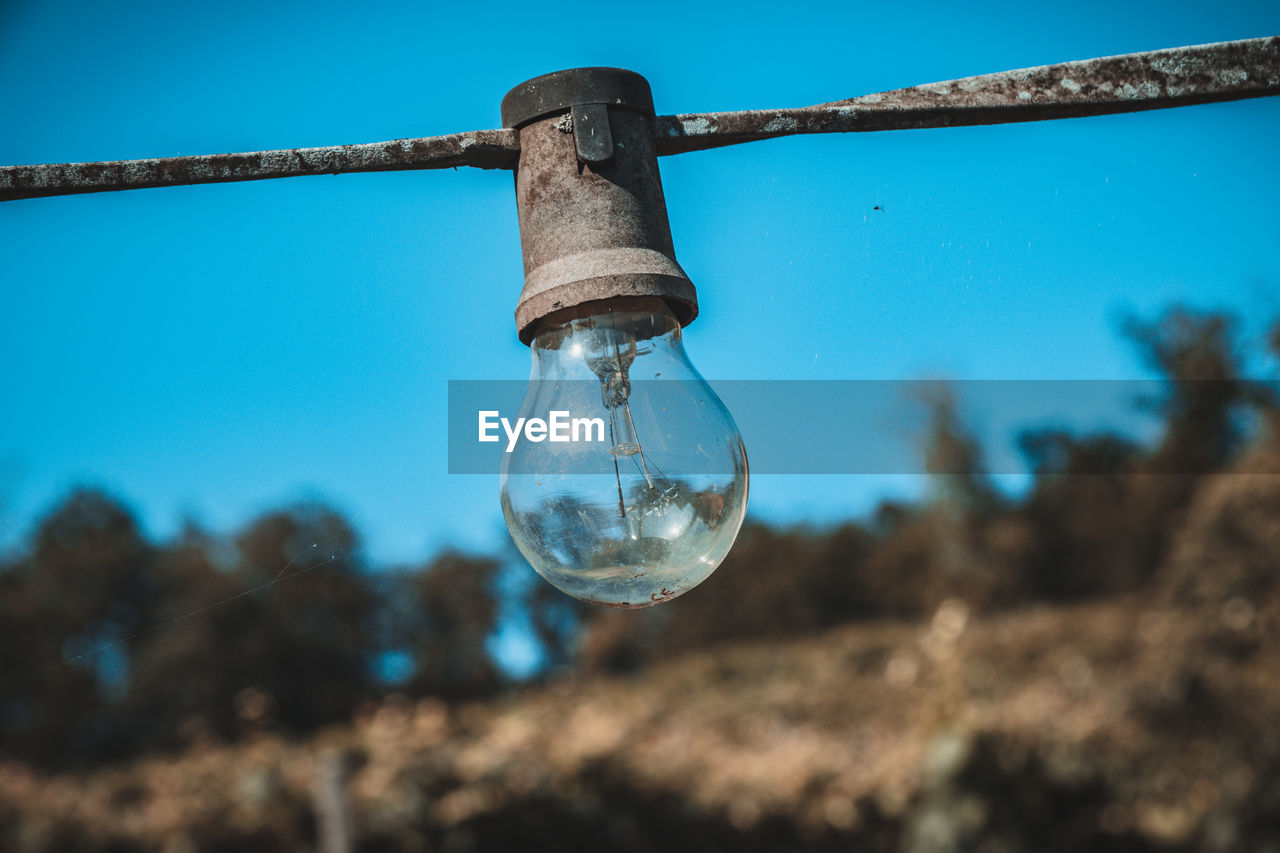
x,y
650,509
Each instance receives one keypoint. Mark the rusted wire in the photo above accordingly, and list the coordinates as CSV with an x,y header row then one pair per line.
x,y
1158,79
485,149
1177,77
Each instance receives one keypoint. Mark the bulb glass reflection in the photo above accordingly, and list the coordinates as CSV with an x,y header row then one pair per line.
x,y
648,511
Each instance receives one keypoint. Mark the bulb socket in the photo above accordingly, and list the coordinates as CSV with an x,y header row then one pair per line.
x,y
593,220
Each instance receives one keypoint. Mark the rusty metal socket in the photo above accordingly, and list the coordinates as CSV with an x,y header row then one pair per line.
x,y
593,221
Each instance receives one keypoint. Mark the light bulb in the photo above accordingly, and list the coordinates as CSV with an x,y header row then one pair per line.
x,y
648,511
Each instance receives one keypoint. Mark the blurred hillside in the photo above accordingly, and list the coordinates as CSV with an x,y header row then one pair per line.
x,y
1096,663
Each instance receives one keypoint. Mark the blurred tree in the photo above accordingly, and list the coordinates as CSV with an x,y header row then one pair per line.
x,y
452,613
1204,394
307,629
1102,512
187,672
556,620
72,608
274,629
954,460
1079,514
965,504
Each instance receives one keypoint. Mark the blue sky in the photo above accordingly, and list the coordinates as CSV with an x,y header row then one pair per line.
x,y
212,352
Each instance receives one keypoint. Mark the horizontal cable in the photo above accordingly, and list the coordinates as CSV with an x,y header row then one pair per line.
x,y
1138,81
1116,84
486,149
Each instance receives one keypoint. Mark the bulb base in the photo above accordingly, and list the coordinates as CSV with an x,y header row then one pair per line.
x,y
593,220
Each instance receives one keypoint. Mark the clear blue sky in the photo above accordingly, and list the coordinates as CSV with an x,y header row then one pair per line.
x,y
216,351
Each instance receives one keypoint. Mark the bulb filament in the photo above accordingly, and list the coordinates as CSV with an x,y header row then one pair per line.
x,y
615,393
